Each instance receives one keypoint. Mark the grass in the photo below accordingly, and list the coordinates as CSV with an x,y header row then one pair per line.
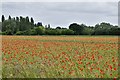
x,y
59,57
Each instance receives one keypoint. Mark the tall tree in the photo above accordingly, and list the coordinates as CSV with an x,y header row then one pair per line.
x,y
3,18
28,24
17,24
17,19
27,19
2,24
32,21
21,18
22,24
9,17
48,26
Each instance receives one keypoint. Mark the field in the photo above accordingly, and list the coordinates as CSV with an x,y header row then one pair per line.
x,y
59,57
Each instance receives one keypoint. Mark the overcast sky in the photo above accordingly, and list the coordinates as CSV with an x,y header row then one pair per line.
x,y
64,13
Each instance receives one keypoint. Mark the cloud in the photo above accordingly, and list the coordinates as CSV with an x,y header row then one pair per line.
x,y
64,13
60,0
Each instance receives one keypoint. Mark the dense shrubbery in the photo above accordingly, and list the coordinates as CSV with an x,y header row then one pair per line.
x,y
26,26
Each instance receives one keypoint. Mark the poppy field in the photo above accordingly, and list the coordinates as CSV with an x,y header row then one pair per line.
x,y
60,57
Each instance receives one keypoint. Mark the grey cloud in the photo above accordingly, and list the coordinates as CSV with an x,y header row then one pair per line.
x,y
64,13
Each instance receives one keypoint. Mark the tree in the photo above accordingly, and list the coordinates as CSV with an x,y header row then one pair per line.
x,y
115,30
3,18
9,17
39,24
88,31
45,26
32,21
48,26
25,26
27,19
53,32
28,24
40,30
9,27
76,28
58,27
102,29
22,24
17,19
2,24
17,24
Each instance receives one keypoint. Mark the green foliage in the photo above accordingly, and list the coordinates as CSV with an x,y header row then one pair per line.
x,y
88,31
27,32
77,28
114,31
2,33
26,26
33,32
19,33
105,29
16,25
40,30
53,32
9,26
67,32
0,26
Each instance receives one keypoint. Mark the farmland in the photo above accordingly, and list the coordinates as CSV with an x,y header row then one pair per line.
x,y
59,57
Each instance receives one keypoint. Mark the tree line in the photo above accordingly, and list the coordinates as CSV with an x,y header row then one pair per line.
x,y
27,26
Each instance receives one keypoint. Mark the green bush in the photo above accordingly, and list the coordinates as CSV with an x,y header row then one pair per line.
x,y
67,32
53,32
3,33
39,30
20,33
